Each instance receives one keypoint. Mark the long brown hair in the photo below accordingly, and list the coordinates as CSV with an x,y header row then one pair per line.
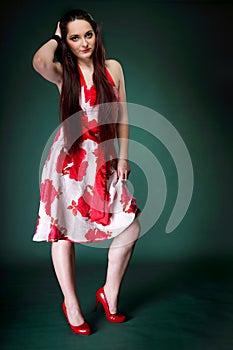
x,y
71,87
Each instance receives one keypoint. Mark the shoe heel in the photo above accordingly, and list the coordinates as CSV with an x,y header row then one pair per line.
x,y
96,305
101,297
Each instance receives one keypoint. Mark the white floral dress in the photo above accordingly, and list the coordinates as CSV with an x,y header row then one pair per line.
x,y
81,198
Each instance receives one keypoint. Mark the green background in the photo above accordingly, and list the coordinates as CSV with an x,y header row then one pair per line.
x,y
177,59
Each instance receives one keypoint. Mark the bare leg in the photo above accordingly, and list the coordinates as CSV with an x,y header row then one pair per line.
x,y
63,256
119,256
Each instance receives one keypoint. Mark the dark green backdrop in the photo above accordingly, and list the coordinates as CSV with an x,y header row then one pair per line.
x,y
177,58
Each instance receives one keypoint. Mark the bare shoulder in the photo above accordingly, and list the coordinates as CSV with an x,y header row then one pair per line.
x,y
115,70
114,65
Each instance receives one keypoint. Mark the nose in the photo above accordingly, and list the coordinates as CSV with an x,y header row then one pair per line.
x,y
84,42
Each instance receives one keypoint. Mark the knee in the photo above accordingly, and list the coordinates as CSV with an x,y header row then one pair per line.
x,y
133,237
127,239
137,228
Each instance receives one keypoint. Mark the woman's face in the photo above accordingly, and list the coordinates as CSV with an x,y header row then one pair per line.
x,y
81,38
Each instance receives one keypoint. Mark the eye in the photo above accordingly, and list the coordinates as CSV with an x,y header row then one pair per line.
x,y
89,35
74,38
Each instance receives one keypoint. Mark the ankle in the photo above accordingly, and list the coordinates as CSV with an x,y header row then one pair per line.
x,y
111,297
74,313
113,292
71,303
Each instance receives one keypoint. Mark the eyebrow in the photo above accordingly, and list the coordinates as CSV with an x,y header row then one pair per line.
x,y
89,31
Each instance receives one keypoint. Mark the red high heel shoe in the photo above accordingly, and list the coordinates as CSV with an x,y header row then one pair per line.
x,y
101,298
83,329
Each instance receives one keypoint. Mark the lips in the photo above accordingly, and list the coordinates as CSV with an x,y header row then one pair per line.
x,y
85,50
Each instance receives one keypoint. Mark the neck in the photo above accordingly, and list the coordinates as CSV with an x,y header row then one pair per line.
x,y
85,64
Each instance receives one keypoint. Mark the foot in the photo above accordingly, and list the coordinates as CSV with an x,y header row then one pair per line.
x,y
110,313
74,314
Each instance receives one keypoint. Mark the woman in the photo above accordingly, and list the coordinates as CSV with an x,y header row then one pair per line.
x,y
83,194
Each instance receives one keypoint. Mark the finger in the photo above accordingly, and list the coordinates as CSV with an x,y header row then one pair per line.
x,y
121,175
124,175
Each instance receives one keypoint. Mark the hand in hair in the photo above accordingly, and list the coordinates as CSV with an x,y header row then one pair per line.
x,y
58,30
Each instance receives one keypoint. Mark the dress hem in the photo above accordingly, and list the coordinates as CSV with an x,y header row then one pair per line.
x,y
66,238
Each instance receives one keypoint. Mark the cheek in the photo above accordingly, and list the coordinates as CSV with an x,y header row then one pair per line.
x,y
93,41
73,46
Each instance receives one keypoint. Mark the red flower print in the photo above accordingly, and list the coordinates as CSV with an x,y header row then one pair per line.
x,y
60,161
74,207
90,94
84,203
94,203
90,129
83,207
100,217
47,194
100,212
133,207
53,222
55,234
91,206
73,165
94,235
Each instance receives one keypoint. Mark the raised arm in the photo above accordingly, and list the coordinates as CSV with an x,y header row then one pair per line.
x,y
43,61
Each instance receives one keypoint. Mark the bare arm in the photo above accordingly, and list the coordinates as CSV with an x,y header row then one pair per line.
x,y
123,167
43,61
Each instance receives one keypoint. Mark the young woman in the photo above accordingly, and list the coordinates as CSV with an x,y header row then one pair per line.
x,y
83,193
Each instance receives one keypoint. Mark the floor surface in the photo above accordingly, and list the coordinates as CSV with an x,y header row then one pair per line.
x,y
169,306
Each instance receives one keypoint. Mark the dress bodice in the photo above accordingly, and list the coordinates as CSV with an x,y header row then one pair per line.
x,y
89,92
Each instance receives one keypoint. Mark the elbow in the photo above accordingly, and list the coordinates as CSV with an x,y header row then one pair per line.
x,y
38,63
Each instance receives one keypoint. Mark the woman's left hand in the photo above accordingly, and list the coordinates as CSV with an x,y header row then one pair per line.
x,y
123,169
